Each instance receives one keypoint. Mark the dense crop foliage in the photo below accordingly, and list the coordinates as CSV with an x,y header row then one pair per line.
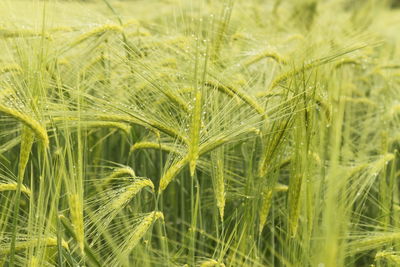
x,y
199,133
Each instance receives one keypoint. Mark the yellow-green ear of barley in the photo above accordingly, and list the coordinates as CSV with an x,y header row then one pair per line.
x,y
33,262
347,61
360,100
172,172
10,68
281,188
389,256
76,211
229,90
22,245
283,77
372,242
26,146
6,33
122,171
109,124
152,125
118,172
36,127
220,188
265,54
294,198
140,230
211,263
96,32
13,187
130,192
195,133
153,145
394,110
265,206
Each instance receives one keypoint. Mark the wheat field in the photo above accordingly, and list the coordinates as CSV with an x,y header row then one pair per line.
x,y
200,133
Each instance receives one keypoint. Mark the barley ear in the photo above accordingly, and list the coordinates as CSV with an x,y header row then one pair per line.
x,y
211,263
193,154
76,211
172,172
218,176
26,146
13,187
265,206
36,127
140,230
153,145
23,245
130,192
265,54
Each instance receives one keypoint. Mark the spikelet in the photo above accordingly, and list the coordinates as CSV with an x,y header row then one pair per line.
x,y
130,192
265,54
172,172
36,127
13,187
140,230
193,154
76,211
96,32
153,145
22,245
